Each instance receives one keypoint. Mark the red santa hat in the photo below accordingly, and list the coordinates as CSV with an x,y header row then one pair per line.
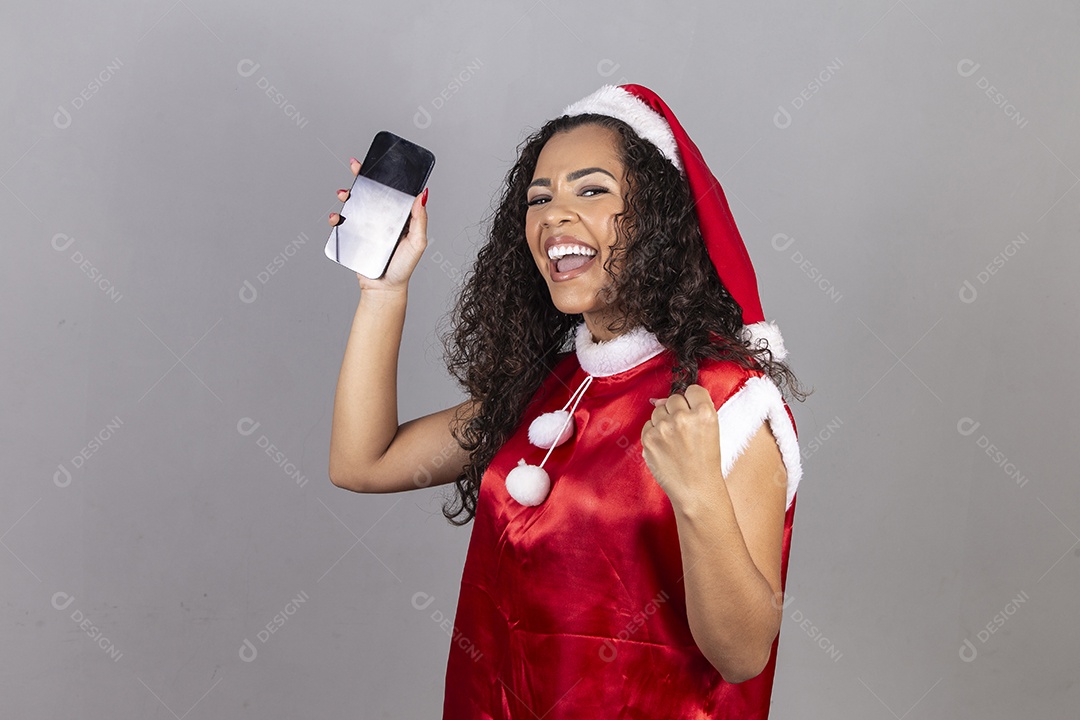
x,y
651,118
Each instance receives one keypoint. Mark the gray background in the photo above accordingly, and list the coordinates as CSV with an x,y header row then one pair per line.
x,y
163,222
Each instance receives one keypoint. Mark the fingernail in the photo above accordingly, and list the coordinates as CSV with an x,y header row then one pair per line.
x,y
352,160
423,200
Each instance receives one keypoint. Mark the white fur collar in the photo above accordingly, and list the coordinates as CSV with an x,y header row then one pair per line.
x,y
617,355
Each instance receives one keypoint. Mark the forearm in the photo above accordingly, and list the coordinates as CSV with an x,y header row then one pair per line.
x,y
732,613
365,403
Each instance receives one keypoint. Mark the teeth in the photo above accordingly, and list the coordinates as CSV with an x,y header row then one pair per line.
x,y
559,251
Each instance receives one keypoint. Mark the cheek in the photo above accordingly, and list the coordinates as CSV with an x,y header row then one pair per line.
x,y
532,231
602,223
533,223
605,212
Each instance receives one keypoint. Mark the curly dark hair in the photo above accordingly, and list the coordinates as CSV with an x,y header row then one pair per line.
x,y
507,334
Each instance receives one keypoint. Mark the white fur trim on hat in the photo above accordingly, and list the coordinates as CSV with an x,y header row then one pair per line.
x,y
770,333
618,103
743,413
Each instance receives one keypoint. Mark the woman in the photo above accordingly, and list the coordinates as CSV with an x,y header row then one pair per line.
x,y
634,517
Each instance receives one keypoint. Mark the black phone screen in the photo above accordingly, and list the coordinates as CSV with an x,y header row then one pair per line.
x,y
397,163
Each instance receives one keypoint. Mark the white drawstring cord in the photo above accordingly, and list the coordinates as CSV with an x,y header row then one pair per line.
x,y
579,394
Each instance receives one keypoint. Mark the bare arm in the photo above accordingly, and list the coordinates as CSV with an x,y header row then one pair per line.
x,y
422,454
369,451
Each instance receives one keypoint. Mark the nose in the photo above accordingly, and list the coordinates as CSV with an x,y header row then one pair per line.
x,y
555,211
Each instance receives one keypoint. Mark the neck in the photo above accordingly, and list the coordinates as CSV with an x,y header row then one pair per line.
x,y
598,323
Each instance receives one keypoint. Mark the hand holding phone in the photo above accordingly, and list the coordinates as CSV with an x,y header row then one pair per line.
x,y
407,255
381,231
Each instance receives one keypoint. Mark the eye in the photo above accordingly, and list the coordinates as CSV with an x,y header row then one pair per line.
x,y
536,201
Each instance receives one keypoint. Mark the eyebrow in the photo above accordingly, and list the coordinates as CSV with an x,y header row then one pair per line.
x,y
571,176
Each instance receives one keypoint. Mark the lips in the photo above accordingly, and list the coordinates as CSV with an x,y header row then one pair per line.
x,y
554,240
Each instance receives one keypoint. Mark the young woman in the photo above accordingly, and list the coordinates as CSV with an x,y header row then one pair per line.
x,y
625,451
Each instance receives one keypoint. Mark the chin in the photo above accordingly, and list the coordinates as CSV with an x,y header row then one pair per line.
x,y
571,308
563,295
575,306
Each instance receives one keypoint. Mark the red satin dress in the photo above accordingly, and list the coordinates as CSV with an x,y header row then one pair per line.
x,y
575,608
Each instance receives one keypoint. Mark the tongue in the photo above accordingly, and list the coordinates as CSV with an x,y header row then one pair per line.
x,y
571,262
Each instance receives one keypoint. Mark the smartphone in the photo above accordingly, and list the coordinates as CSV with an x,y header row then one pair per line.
x,y
376,215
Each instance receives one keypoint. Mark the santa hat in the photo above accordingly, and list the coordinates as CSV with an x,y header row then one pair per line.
x,y
651,118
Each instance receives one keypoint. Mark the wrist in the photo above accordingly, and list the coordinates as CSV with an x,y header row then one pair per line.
x,y
705,500
384,296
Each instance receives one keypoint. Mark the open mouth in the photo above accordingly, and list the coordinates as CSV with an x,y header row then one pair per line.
x,y
569,267
572,266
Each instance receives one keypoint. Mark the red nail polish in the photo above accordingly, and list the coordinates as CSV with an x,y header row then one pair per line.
x,y
423,200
